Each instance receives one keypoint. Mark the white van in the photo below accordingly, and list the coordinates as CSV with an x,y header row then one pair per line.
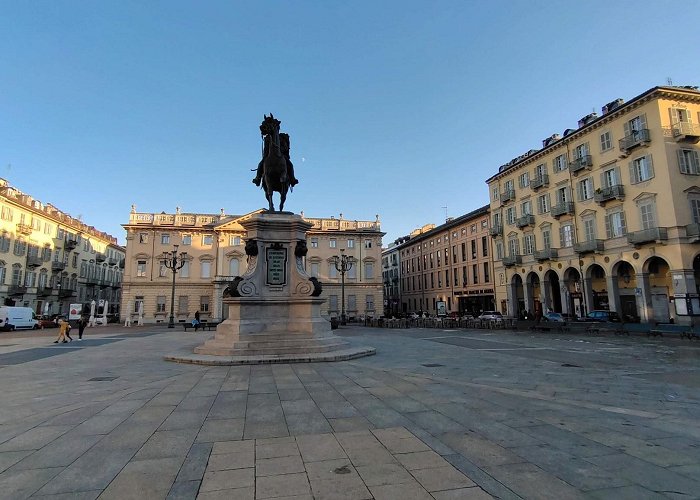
x,y
17,318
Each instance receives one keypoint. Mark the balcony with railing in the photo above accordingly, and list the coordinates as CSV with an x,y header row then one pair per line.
x,y
590,246
16,289
692,231
636,138
605,194
525,220
563,208
70,244
546,254
100,257
507,195
580,163
34,261
24,229
686,132
539,181
44,291
112,262
512,260
58,266
652,235
496,230
65,293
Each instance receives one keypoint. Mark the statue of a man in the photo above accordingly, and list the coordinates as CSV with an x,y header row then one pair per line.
x,y
284,146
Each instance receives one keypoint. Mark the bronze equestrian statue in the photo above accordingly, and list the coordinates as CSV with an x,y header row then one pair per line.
x,y
275,170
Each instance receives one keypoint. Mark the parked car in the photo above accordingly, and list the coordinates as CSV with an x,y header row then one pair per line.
x,y
491,316
553,316
602,316
46,321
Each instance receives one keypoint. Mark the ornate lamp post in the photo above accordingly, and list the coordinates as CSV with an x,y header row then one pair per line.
x,y
342,264
174,263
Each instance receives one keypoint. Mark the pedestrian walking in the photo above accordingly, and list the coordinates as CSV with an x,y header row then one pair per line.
x,y
63,332
82,323
195,321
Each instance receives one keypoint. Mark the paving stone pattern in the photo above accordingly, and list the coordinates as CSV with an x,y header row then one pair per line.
x,y
441,414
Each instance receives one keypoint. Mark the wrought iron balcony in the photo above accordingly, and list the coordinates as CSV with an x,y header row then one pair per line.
x,y
100,257
590,246
507,195
693,232
24,229
44,291
525,220
34,261
652,235
112,262
70,244
546,254
609,193
116,285
577,164
539,181
16,290
58,266
636,138
563,208
684,131
512,260
64,293
496,230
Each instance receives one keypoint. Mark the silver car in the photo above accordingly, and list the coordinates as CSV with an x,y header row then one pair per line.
x,y
491,316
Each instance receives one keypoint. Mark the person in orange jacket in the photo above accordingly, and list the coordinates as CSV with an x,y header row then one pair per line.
x,y
63,332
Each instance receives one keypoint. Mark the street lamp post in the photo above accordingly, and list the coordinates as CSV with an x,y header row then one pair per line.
x,y
174,263
342,264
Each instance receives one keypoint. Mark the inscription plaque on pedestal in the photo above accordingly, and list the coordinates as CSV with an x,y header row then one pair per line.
x,y
276,259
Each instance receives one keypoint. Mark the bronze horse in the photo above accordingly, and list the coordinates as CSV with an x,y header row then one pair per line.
x,y
274,162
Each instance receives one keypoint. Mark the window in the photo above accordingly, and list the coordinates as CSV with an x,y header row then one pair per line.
x,y
164,239
499,250
314,242
138,304
529,244
234,241
581,151
526,207
546,238
513,247
20,247
207,240
16,275
487,276
464,252
368,243
585,189
369,303
559,163
36,223
543,204
351,243
567,235
524,180
352,272
647,213
562,194
494,194
183,304
332,271
589,229
143,237
5,242
186,239
540,171
464,275
615,225
641,169
206,269
204,303
48,228
510,215
234,266
333,243
454,254
160,304
369,270
473,243
6,214
185,271
314,269
688,161
605,141
635,125
695,209
484,247
352,303
475,274
611,177
141,268
333,303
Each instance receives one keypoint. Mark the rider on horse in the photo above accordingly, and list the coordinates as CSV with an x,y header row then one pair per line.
x,y
284,146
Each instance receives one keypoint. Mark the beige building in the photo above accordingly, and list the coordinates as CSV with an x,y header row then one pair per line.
x,y
605,216
215,253
448,265
49,259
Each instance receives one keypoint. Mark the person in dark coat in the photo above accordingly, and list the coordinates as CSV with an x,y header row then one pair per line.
x,y
82,323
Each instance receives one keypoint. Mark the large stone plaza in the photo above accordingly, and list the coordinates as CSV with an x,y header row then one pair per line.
x,y
441,414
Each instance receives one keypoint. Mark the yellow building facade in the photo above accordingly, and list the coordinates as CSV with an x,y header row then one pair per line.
x,y
449,265
49,260
605,216
215,254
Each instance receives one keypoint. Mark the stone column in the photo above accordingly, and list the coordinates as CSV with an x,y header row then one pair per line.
x,y
613,293
643,300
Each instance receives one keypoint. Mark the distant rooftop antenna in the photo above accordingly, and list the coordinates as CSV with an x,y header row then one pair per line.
x,y
669,81
445,213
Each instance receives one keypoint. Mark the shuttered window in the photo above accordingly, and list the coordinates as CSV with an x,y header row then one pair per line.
x,y
647,214
566,235
641,169
589,229
615,225
688,161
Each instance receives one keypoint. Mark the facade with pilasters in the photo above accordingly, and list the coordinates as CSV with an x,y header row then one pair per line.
x,y
605,215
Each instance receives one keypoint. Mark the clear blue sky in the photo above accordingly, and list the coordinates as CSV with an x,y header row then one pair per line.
x,y
394,108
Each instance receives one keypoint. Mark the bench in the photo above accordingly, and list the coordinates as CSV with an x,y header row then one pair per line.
x,y
204,325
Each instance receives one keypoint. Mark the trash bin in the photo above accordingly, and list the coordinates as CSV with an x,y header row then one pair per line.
x,y
334,323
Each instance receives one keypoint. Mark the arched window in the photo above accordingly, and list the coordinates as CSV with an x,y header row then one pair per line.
x,y
234,266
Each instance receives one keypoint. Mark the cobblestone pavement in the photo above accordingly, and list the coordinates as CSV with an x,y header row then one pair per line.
x,y
443,414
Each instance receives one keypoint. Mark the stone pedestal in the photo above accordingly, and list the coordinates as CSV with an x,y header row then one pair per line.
x,y
274,309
